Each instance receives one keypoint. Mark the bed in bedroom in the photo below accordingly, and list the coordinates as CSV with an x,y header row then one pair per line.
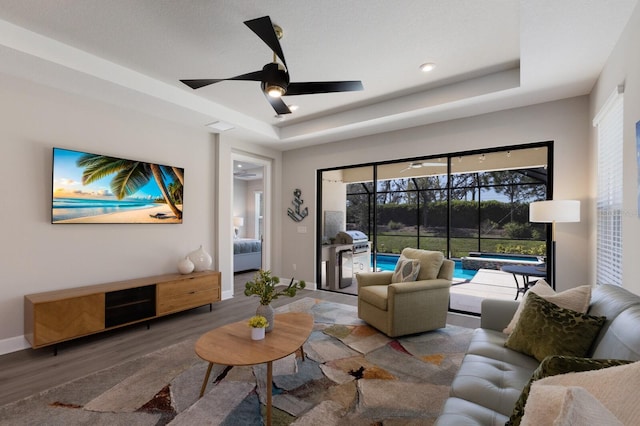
x,y
247,254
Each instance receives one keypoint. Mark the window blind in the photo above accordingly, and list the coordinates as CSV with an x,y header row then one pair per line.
x,y
609,123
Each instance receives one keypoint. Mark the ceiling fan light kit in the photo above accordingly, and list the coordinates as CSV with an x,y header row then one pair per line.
x,y
275,91
274,77
276,80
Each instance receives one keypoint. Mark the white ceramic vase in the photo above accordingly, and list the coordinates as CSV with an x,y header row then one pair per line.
x,y
267,312
257,333
186,266
201,259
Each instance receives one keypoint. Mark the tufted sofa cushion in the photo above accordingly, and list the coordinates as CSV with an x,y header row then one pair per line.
x,y
460,412
490,344
491,375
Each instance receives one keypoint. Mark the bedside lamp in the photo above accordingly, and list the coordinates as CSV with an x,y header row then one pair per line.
x,y
554,211
238,222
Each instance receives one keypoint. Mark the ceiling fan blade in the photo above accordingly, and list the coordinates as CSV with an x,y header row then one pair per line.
x,y
251,76
323,87
278,105
196,84
263,28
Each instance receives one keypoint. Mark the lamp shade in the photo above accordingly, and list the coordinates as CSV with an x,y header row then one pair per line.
x,y
238,221
551,211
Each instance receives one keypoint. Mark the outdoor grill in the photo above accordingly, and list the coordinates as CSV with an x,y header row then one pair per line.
x,y
358,239
354,259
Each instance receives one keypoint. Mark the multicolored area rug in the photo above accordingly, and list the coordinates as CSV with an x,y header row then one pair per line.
x,y
352,375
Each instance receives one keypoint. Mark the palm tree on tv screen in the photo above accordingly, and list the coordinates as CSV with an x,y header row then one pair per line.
x,y
130,176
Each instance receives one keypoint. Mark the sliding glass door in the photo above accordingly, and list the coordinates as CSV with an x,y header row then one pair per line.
x,y
460,204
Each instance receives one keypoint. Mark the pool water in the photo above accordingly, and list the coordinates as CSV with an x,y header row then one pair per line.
x,y
386,262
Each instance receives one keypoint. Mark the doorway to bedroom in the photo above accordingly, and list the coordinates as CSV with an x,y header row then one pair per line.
x,y
249,219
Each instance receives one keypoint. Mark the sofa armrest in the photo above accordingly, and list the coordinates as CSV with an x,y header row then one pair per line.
x,y
373,278
413,286
496,314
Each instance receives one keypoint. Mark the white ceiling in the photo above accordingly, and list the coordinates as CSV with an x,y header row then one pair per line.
x,y
244,170
490,55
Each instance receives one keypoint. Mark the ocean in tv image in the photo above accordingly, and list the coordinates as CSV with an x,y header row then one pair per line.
x,y
93,188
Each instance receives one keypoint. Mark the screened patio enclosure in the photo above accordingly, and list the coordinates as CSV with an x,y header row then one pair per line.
x,y
465,205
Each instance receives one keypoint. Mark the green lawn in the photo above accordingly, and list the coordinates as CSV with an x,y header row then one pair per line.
x,y
461,246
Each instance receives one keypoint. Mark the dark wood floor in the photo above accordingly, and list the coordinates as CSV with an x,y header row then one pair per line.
x,y
29,371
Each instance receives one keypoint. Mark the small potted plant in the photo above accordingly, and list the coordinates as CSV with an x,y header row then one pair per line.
x,y
257,323
265,286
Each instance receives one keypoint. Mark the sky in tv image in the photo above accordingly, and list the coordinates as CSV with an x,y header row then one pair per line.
x,y
94,188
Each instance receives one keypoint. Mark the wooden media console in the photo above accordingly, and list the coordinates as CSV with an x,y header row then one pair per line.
x,y
60,315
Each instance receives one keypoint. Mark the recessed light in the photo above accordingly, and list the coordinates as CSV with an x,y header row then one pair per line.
x,y
427,66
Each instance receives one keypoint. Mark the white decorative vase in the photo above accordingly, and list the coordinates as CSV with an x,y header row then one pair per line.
x,y
186,266
201,259
267,312
257,333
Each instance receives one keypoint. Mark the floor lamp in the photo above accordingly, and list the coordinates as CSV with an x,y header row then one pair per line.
x,y
554,211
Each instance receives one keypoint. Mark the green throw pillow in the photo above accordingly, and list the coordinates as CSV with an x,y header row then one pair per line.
x,y
546,329
554,365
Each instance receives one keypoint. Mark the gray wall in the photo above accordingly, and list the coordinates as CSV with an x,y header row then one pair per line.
x,y
37,256
623,67
564,122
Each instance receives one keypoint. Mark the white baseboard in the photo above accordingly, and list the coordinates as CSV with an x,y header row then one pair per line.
x,y
227,295
13,344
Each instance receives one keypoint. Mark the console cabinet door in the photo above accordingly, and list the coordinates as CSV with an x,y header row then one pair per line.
x,y
68,318
178,295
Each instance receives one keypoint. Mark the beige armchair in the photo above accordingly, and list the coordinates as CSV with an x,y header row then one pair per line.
x,y
402,308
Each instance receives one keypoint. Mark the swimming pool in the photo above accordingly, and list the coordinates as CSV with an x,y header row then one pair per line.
x,y
387,262
496,261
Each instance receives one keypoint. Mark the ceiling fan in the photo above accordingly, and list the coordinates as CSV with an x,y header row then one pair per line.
x,y
420,164
274,76
244,173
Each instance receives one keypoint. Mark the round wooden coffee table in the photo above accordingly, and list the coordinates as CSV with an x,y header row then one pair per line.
x,y
231,345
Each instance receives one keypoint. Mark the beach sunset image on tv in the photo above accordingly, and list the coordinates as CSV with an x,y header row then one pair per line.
x,y
93,188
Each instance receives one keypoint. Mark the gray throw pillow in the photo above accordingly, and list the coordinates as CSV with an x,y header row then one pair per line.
x,y
406,270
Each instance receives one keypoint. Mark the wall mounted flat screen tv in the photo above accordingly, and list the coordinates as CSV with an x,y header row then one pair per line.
x,y
94,188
